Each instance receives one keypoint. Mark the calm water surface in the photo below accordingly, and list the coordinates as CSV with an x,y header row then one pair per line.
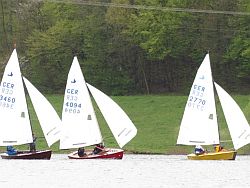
x,y
132,171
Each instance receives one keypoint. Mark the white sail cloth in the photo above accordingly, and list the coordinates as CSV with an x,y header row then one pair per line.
x,y
199,123
119,123
15,126
79,124
49,120
236,121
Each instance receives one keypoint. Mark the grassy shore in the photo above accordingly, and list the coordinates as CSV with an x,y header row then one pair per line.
x,y
157,119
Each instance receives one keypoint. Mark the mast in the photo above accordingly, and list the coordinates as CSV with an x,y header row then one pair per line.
x,y
32,145
218,127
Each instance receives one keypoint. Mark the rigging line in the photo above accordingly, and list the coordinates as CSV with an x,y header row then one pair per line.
x,y
143,7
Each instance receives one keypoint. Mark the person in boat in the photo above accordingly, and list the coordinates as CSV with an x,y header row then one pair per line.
x,y
199,150
81,152
11,150
98,148
218,148
33,144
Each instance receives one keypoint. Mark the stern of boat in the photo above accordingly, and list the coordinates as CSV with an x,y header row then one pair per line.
x,y
222,155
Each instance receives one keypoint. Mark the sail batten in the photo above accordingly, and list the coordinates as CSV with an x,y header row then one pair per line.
x,y
197,142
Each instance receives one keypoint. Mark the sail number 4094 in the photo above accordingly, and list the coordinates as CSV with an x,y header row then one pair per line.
x,y
72,107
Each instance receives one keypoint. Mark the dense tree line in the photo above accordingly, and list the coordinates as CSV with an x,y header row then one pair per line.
x,y
142,48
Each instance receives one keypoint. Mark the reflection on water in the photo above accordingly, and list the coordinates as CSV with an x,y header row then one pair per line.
x,y
132,171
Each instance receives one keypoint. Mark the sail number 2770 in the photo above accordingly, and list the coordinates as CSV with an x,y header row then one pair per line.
x,y
195,102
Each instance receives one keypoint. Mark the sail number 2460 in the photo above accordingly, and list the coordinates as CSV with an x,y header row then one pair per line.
x,y
7,99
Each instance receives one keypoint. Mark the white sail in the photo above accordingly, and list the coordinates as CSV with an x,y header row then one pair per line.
x,y
49,120
121,126
199,123
15,126
238,126
79,124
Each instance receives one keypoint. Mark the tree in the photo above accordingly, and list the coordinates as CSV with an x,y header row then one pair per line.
x,y
238,54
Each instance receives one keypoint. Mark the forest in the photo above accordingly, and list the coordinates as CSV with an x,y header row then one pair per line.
x,y
128,47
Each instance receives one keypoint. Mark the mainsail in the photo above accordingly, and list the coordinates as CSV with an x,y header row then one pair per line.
x,y
79,124
119,123
15,126
237,124
199,123
47,116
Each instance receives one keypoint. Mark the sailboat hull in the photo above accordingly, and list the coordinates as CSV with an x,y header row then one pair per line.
x,y
108,153
46,154
222,155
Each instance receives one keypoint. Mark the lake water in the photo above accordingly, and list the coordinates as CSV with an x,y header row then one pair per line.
x,y
132,171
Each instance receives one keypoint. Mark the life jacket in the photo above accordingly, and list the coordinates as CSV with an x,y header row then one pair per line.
x,y
218,148
81,152
199,151
11,150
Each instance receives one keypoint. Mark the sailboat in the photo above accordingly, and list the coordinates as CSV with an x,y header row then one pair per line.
x,y
199,125
15,128
80,127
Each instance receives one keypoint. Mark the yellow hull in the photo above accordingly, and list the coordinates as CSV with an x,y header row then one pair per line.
x,y
222,155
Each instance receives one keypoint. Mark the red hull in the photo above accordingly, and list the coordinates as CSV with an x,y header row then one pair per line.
x,y
109,153
29,155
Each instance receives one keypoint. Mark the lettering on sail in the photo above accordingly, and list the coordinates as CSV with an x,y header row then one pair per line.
x,y
72,105
196,100
6,95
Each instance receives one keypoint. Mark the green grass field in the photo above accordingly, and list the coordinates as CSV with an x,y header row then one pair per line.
x,y
157,119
